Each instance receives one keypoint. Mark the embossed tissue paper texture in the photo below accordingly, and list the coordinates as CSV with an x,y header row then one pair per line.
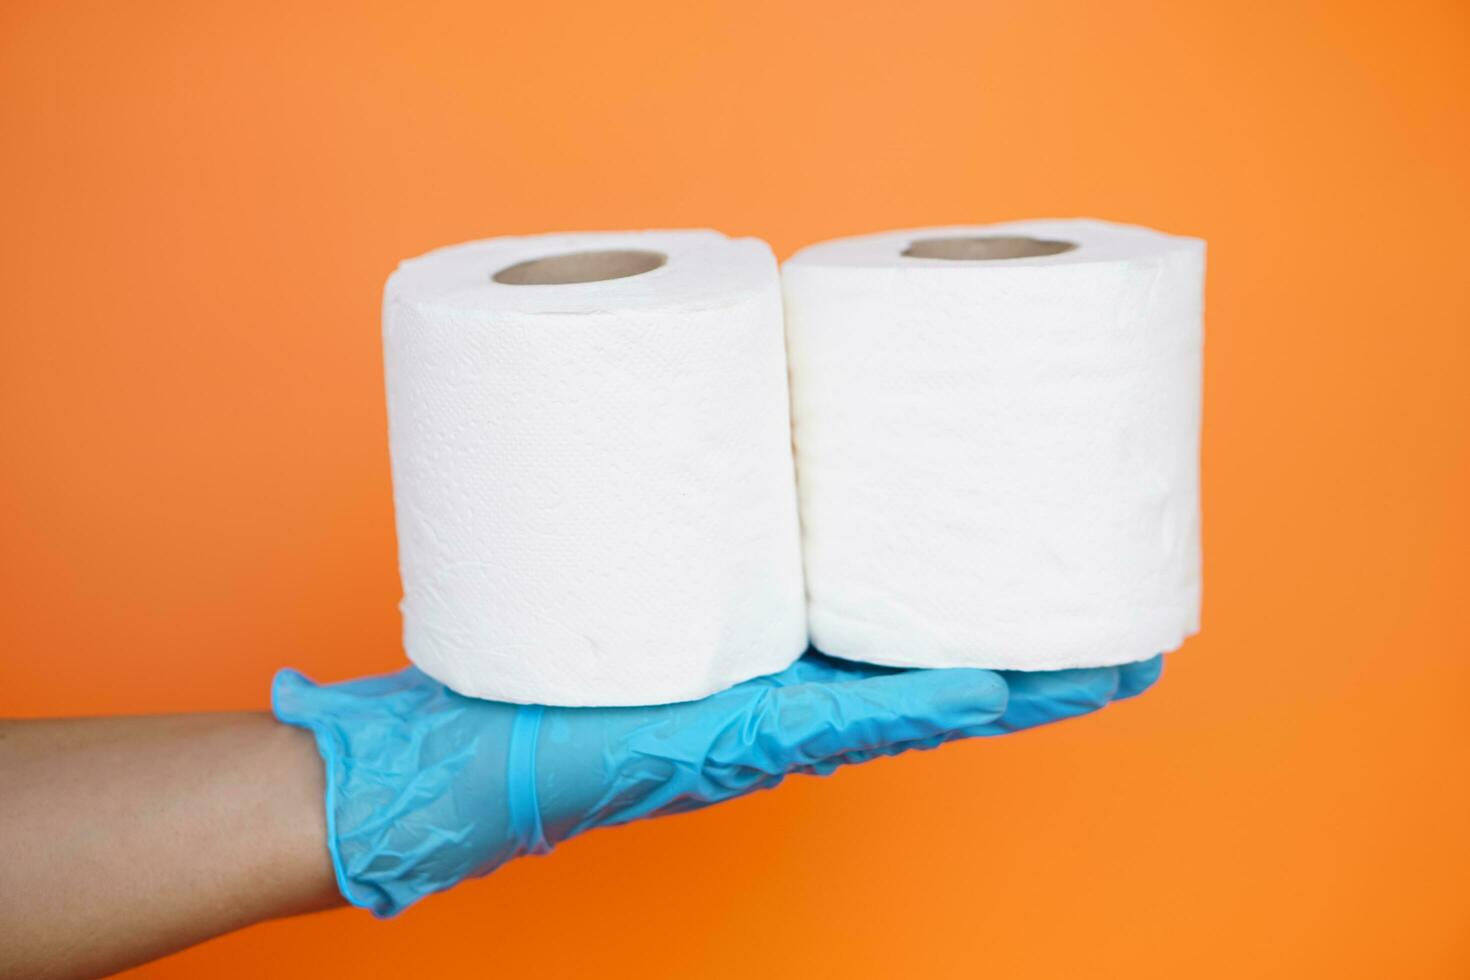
x,y
997,443
592,466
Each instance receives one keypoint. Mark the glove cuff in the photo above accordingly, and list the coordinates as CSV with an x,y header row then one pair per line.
x,y
287,705
408,763
520,776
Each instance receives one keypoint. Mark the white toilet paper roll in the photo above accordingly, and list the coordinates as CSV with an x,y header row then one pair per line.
x,y
997,434
592,468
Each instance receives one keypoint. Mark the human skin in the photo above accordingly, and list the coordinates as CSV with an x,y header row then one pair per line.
x,y
124,839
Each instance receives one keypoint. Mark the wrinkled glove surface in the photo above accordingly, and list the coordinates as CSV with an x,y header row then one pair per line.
x,y
426,788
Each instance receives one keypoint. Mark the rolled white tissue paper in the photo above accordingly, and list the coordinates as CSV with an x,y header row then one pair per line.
x,y
592,466
997,439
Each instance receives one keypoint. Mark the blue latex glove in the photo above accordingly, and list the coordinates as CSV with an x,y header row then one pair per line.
x,y
426,788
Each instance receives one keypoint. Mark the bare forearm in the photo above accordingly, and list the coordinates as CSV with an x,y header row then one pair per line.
x,y
122,839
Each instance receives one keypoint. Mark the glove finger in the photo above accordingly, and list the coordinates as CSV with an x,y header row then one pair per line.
x,y
1134,679
894,748
825,766
818,668
1042,697
806,724
1039,694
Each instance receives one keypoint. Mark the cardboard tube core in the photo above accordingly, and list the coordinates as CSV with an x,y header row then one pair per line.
x,y
555,270
983,247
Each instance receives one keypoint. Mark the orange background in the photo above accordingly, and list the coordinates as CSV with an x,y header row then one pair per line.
x,y
200,203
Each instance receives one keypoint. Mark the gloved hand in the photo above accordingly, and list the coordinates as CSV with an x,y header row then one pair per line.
x,y
426,788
